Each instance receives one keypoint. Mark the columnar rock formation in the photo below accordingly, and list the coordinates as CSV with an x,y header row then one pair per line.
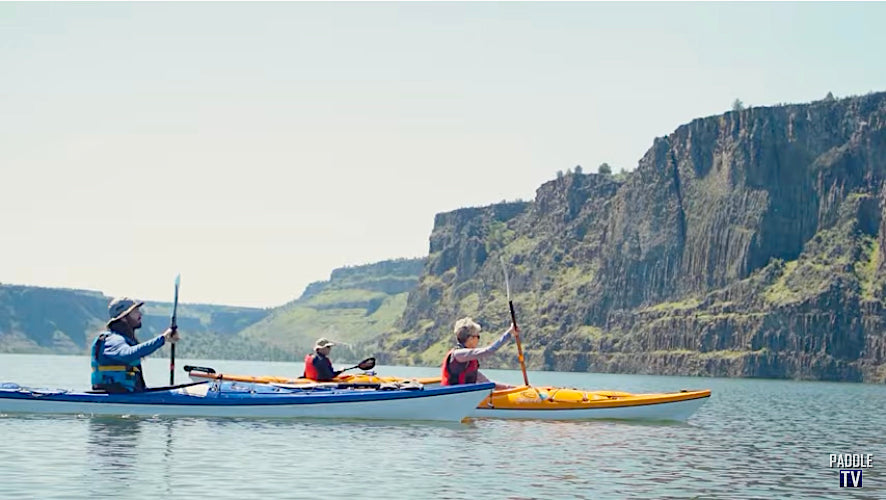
x,y
746,244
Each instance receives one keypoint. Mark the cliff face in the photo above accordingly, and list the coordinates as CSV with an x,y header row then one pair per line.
x,y
746,244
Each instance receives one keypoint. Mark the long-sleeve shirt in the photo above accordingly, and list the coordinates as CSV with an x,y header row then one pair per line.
x,y
122,350
323,365
465,354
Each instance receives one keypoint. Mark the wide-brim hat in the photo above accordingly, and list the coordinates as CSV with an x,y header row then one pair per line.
x,y
321,343
119,308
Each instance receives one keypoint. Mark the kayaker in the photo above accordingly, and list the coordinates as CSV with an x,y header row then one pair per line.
x,y
116,352
318,366
462,363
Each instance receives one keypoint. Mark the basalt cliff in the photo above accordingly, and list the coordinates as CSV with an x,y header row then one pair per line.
x,y
748,244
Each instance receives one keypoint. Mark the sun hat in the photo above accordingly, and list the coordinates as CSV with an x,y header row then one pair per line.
x,y
323,342
121,306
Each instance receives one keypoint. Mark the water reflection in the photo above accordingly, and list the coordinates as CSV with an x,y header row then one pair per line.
x,y
113,444
122,450
168,455
321,425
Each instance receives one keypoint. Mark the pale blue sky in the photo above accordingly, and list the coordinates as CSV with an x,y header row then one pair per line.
x,y
254,147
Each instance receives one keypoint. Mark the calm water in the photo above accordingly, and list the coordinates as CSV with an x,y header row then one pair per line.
x,y
752,439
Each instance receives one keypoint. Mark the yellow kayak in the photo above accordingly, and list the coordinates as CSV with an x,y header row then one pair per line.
x,y
555,403
200,374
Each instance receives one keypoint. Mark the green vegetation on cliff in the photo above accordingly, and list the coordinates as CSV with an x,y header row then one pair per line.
x,y
355,306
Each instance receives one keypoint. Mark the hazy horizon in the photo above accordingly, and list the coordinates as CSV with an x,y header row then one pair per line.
x,y
255,147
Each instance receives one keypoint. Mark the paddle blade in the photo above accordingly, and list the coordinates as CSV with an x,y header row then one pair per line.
x,y
189,369
367,364
507,282
174,321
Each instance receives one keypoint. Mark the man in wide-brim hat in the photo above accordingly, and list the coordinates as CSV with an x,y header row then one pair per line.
x,y
318,366
116,352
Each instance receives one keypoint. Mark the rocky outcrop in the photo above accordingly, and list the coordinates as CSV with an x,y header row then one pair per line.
x,y
389,276
746,244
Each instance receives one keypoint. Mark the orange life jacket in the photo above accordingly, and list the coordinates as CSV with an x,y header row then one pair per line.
x,y
311,370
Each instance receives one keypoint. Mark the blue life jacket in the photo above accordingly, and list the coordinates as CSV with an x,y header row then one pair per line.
x,y
112,376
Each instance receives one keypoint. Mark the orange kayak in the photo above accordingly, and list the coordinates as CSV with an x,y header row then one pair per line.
x,y
199,374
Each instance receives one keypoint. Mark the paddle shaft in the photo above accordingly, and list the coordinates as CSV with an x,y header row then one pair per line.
x,y
519,345
173,324
514,321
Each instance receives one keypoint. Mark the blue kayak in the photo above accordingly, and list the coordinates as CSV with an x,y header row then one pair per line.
x,y
366,401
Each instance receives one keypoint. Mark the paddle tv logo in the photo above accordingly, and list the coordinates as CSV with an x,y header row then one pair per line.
x,y
850,478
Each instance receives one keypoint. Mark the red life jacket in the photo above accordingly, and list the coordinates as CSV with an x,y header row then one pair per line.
x,y
311,370
455,373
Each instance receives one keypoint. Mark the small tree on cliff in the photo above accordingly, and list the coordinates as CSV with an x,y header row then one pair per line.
x,y
604,169
737,105
578,170
621,175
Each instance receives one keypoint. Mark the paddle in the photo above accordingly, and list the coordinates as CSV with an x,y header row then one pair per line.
x,y
174,326
514,320
366,364
404,385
